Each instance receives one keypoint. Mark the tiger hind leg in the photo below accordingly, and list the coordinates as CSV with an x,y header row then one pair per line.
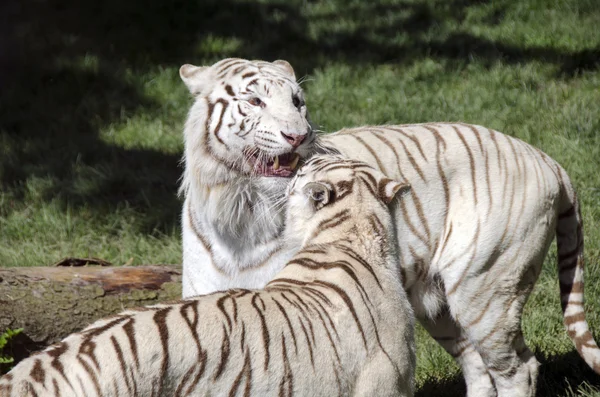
x,y
496,334
486,296
528,357
447,334
514,371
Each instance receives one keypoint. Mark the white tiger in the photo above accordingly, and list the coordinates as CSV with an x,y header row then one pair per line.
x,y
334,322
476,226
244,136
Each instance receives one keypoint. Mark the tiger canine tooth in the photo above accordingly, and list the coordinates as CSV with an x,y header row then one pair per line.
x,y
276,163
294,162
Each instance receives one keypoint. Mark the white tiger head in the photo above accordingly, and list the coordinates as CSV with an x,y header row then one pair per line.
x,y
249,119
330,189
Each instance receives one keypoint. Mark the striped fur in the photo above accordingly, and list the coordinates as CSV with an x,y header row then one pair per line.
x,y
476,227
246,115
482,212
334,322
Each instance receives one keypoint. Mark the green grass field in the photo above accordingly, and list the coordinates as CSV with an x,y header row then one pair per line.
x,y
92,108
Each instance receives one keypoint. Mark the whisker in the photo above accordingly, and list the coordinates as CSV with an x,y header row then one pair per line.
x,y
304,79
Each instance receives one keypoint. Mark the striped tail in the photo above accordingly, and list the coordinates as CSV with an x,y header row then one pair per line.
x,y
569,239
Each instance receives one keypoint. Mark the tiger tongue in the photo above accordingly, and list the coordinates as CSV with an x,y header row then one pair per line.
x,y
281,172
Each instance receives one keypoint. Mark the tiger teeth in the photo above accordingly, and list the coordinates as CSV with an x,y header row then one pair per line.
x,y
294,162
276,163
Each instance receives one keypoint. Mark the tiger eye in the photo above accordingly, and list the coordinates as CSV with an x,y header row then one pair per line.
x,y
296,101
256,102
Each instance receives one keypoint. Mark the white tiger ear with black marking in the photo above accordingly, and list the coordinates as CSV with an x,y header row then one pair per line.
x,y
389,189
285,65
319,193
193,77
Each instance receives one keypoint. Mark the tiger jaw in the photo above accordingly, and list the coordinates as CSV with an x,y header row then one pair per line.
x,y
279,166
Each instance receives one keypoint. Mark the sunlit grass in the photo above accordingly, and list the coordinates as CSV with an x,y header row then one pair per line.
x,y
90,124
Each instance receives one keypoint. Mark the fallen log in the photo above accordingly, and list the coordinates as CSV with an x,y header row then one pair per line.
x,y
51,302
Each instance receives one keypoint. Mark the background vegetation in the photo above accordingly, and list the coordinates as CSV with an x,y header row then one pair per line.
x,y
91,112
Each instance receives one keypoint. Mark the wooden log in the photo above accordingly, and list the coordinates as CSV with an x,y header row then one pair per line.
x,y
51,302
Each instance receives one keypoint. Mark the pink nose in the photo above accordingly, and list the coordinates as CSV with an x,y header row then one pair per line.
x,y
293,139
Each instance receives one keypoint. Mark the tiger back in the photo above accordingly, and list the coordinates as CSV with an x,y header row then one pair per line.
x,y
334,321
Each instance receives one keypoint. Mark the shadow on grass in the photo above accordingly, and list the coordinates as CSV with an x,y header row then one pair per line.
x,y
443,388
52,105
558,375
49,132
558,372
19,348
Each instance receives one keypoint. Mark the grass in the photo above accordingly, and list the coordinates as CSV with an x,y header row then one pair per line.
x,y
91,113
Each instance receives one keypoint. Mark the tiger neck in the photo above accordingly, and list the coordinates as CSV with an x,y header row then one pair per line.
x,y
240,215
375,246
364,256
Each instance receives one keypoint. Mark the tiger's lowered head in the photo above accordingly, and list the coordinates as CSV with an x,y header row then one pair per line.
x,y
323,184
334,322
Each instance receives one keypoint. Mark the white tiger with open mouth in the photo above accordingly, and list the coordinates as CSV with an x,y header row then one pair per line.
x,y
245,134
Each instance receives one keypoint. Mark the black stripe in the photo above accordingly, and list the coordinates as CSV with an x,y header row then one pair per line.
x,y
288,376
163,331
247,372
130,333
122,363
264,328
288,322
225,349
55,353
38,374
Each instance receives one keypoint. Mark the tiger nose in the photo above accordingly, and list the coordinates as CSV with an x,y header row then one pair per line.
x,y
293,139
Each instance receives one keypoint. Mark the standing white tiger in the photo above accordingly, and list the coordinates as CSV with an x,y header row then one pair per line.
x,y
334,322
475,228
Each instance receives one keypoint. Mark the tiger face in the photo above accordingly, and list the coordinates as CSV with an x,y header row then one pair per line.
x,y
330,188
249,118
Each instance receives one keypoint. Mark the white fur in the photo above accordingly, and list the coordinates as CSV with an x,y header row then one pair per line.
x,y
237,212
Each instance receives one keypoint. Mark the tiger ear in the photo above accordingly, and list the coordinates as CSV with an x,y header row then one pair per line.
x,y
389,189
319,193
285,65
193,77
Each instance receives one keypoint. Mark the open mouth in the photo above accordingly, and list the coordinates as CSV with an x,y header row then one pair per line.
x,y
283,165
